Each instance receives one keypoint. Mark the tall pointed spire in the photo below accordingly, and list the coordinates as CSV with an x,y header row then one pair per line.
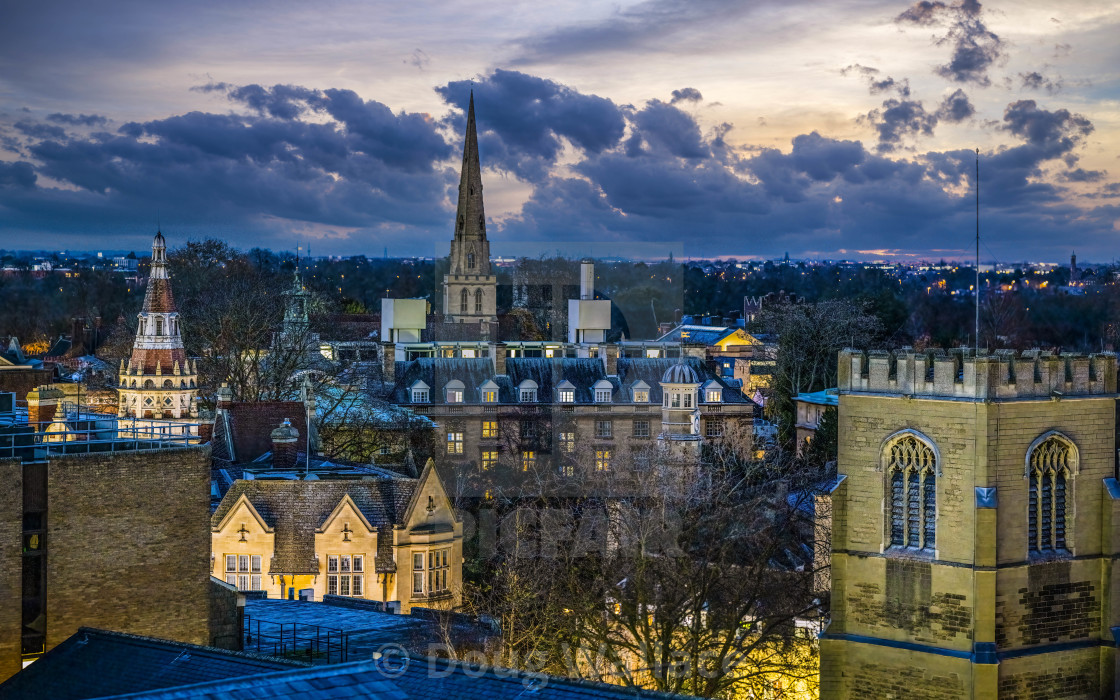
x,y
470,219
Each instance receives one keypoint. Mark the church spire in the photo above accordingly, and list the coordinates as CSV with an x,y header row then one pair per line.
x,y
470,219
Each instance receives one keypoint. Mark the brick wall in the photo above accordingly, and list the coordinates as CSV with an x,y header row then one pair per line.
x,y
11,528
21,381
129,538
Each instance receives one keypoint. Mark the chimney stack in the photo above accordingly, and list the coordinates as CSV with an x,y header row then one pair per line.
x,y
225,396
611,357
285,446
500,352
389,362
586,279
42,403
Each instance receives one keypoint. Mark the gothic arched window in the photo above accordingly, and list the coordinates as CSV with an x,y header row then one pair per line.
x,y
912,477
478,301
1050,465
463,302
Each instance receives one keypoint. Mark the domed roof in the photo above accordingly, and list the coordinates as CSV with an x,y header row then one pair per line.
x,y
159,240
680,373
285,433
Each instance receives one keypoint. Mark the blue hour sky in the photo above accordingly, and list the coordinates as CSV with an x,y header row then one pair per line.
x,y
845,128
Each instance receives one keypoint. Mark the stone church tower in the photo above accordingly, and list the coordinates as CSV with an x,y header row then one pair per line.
x,y
975,528
159,382
470,291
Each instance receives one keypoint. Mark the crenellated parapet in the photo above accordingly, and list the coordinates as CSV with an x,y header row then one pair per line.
x,y
961,373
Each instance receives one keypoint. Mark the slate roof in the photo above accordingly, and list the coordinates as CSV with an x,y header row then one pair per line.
x,y
583,373
705,335
248,426
296,509
406,678
94,663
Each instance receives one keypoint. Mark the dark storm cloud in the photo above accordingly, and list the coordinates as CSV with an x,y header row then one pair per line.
x,y
955,107
1082,175
522,119
77,119
1037,81
40,131
898,119
1054,132
686,95
664,127
974,47
355,164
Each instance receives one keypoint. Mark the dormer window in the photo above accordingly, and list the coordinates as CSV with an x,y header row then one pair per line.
x,y
565,392
454,391
713,392
603,391
489,392
639,392
420,393
527,391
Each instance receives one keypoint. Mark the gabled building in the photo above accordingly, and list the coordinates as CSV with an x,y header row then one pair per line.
x,y
381,537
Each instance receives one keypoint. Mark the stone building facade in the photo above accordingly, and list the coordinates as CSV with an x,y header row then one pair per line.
x,y
975,525
470,289
117,541
395,540
159,381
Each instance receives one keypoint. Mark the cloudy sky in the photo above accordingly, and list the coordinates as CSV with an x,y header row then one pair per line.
x,y
839,128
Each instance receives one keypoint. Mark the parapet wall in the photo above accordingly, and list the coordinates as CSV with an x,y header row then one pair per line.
x,y
962,374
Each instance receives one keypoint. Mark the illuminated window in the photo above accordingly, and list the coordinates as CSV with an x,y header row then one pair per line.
x,y
454,443
489,459
641,396
713,395
567,396
490,396
528,460
602,460
567,442
489,429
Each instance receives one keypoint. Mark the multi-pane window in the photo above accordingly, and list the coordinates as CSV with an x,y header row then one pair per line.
x,y
419,396
603,429
478,301
641,428
344,574
418,574
912,473
713,395
1050,470
489,459
602,460
641,396
454,443
438,571
528,429
454,396
489,429
528,395
490,396
687,399
463,302
528,460
566,396
713,427
567,442
244,571
602,396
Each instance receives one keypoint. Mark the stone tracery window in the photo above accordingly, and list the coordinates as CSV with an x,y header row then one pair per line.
x,y
912,477
463,302
478,301
1050,466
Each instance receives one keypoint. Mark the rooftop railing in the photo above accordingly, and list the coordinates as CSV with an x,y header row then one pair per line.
x,y
85,432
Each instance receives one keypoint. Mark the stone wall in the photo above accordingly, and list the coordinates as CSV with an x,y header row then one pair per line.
x,y
129,544
1060,675
11,530
227,616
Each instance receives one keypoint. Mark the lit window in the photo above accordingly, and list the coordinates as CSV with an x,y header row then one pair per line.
x,y
567,396
641,396
602,460
490,396
489,429
567,442
603,428
468,352
454,396
454,443
713,396
528,460
641,428
489,459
